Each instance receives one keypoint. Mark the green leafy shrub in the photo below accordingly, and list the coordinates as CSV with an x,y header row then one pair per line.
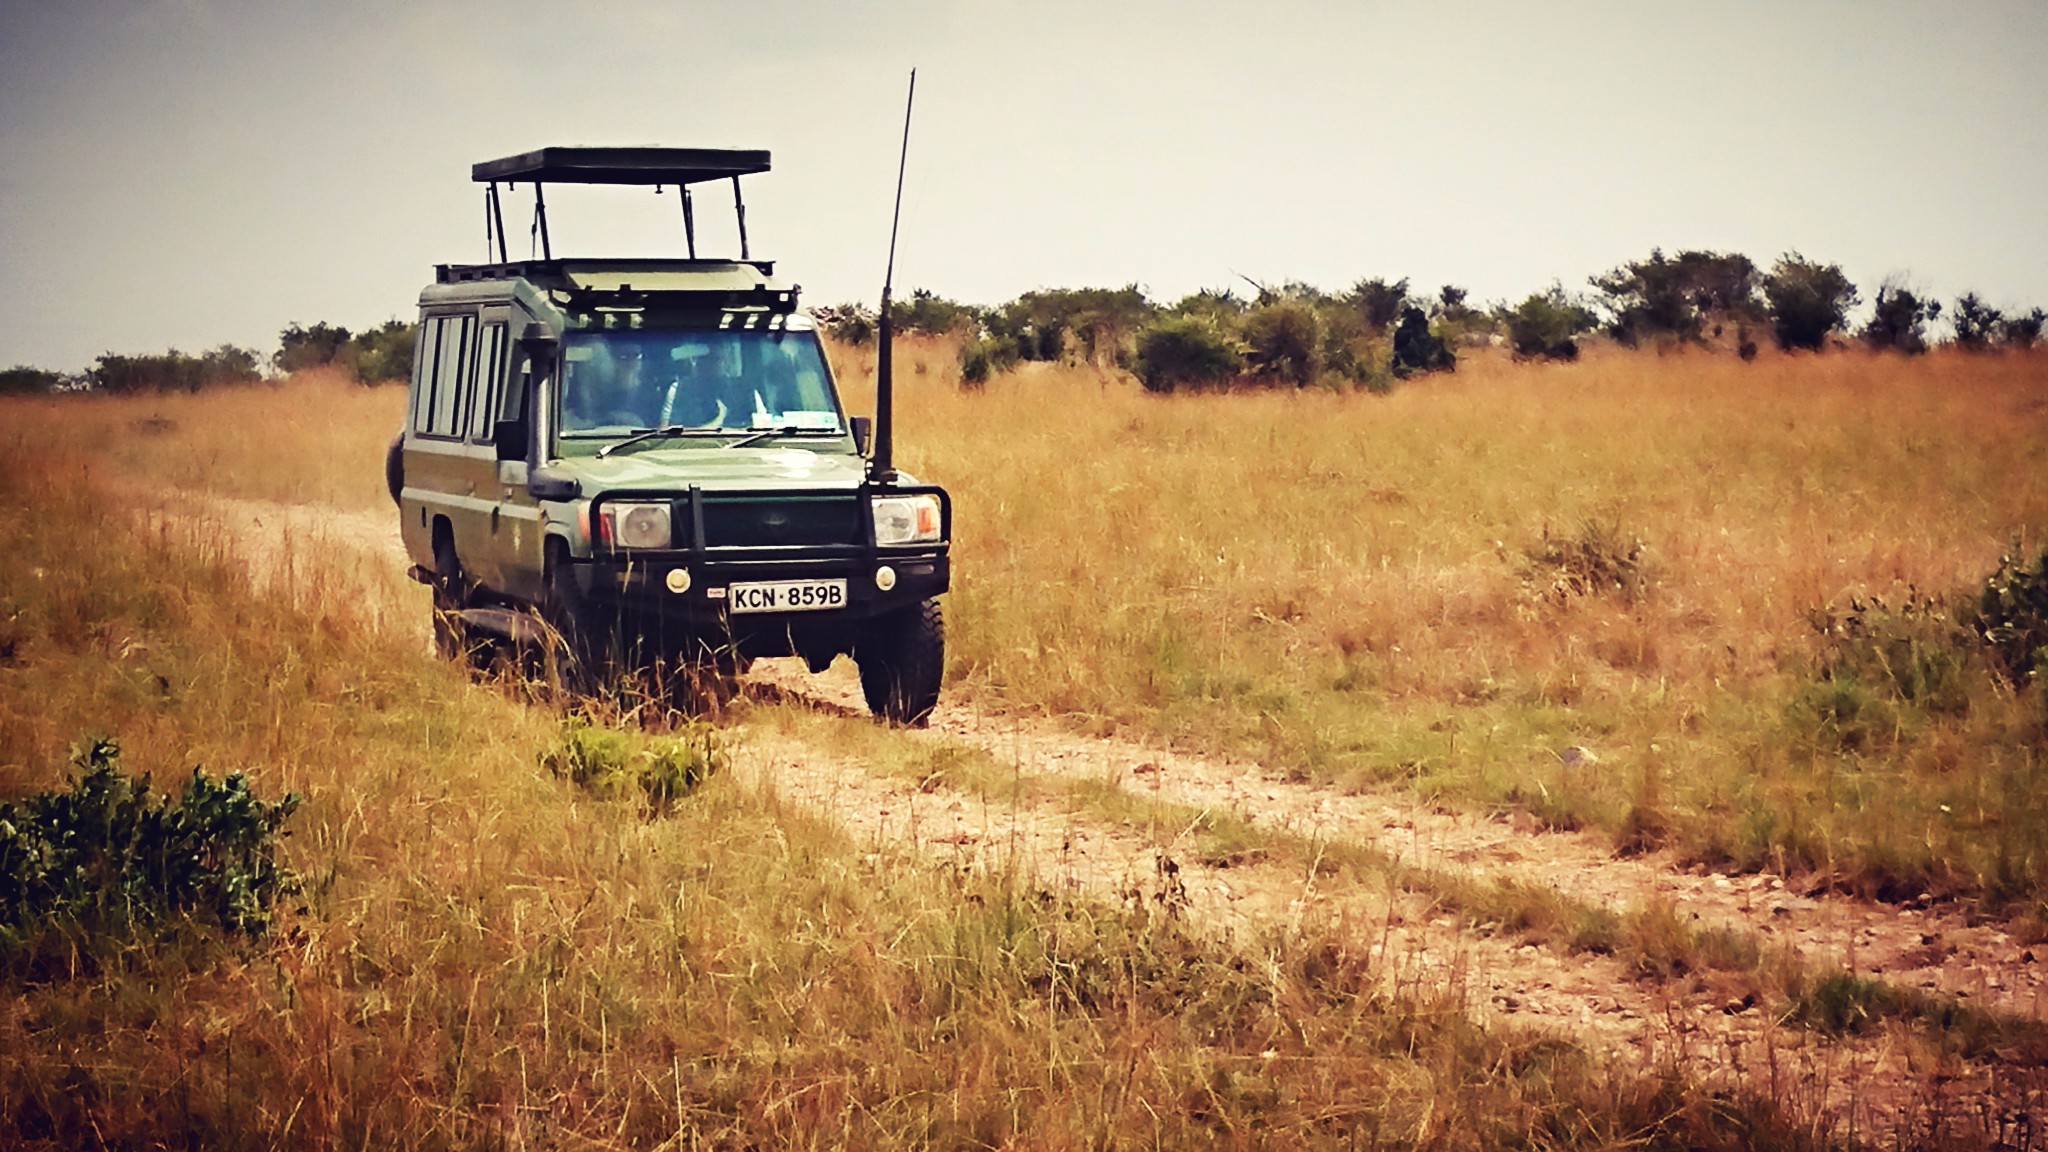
x,y
1417,349
1672,297
1284,342
22,378
1186,351
1596,557
1899,323
1378,302
173,371
300,348
382,354
928,312
2011,617
985,356
1547,325
2022,330
608,762
1976,323
1913,650
1807,301
104,862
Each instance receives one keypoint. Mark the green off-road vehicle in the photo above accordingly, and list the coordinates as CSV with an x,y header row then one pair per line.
x,y
643,464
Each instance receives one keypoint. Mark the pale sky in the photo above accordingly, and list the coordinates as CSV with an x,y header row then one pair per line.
x,y
191,172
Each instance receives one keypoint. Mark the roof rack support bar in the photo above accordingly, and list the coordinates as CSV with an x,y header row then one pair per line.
x,y
540,219
498,223
689,221
739,209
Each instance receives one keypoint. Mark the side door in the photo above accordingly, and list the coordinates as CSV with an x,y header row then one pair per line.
x,y
521,417
443,463
488,544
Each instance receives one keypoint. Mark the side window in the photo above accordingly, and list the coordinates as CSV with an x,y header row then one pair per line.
x,y
490,382
452,370
425,360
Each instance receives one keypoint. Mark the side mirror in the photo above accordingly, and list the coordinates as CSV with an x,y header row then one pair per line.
x,y
863,433
547,484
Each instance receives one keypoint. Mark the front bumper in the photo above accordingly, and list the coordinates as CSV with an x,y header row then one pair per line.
x,y
642,582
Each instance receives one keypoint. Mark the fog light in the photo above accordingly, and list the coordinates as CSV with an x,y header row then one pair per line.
x,y
885,577
679,580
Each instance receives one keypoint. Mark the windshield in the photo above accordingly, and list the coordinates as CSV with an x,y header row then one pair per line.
x,y
618,383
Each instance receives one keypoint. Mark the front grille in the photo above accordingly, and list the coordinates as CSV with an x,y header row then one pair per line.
x,y
768,523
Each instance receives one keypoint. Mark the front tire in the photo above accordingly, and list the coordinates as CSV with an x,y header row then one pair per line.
x,y
902,659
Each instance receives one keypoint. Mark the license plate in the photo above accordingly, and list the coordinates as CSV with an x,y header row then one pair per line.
x,y
787,596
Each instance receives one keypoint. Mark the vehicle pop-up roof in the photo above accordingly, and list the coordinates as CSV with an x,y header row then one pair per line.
x,y
650,167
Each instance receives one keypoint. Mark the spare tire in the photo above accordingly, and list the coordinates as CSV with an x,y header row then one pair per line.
x,y
394,466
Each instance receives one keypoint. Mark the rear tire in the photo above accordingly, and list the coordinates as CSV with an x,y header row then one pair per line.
x,y
902,659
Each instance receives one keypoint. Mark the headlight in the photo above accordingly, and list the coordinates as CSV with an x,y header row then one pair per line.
x,y
906,519
630,525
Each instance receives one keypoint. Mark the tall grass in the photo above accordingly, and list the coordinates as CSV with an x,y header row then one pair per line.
x,y
1366,589
1441,589
487,955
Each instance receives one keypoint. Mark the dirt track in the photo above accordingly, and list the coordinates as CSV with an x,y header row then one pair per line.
x,y
1691,1022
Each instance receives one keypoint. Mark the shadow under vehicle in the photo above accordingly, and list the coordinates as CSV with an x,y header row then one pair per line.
x,y
635,465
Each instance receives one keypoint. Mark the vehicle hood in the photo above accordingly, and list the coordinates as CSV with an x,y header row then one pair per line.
x,y
713,469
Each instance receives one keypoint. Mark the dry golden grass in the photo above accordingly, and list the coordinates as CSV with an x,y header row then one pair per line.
x,y
1346,585
488,957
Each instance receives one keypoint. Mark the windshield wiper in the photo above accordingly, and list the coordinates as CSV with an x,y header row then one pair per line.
x,y
765,433
664,432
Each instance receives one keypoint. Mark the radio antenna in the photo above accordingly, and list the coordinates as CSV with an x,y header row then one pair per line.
x,y
883,468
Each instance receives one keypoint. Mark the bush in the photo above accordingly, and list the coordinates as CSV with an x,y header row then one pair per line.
x,y
608,761
1182,351
382,354
1547,325
2022,330
22,378
1285,342
2011,616
1806,301
1899,321
985,356
173,371
1672,297
926,312
1913,651
1598,557
105,862
1379,302
847,323
316,347
1417,349
1977,324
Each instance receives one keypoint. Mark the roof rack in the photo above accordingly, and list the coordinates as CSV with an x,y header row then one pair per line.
x,y
647,167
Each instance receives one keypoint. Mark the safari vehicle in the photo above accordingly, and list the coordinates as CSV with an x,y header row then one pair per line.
x,y
643,463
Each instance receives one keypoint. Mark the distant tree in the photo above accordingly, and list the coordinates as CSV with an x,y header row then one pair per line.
x,y
1285,341
316,347
1806,300
173,371
1101,321
1674,297
22,378
2022,330
1899,322
1378,301
849,323
1417,349
927,312
1547,324
1187,350
1222,306
382,354
1976,323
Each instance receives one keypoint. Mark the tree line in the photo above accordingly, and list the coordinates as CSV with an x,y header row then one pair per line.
x,y
1380,331
373,356
1370,335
